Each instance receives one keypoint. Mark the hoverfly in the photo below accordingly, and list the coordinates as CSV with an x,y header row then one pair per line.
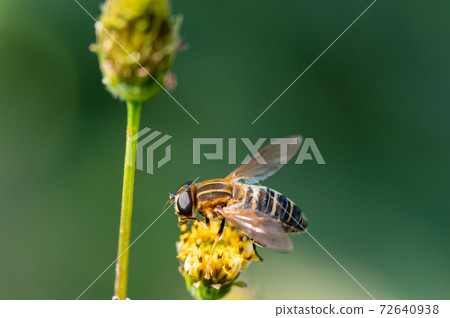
x,y
261,213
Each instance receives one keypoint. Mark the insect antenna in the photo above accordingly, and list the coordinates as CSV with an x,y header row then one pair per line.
x,y
171,198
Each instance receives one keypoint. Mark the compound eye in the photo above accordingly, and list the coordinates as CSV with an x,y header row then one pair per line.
x,y
184,203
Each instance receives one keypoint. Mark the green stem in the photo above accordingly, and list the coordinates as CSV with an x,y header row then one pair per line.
x,y
134,114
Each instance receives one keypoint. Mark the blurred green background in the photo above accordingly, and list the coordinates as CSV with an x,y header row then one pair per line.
x,y
376,104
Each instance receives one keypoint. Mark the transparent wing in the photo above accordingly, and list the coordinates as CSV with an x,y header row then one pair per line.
x,y
256,170
260,227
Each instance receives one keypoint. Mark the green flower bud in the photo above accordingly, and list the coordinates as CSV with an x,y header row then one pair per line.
x,y
136,38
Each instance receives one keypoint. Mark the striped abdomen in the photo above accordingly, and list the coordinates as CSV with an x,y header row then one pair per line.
x,y
276,205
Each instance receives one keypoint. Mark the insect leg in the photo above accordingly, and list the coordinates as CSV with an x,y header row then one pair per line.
x,y
206,223
218,237
256,252
184,220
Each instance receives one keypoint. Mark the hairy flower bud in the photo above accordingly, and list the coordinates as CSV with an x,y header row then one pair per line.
x,y
136,43
231,256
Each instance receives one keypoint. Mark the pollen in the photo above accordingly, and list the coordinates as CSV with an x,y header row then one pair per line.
x,y
231,256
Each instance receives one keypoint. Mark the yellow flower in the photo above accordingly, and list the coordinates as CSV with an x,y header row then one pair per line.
x,y
231,256
136,38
